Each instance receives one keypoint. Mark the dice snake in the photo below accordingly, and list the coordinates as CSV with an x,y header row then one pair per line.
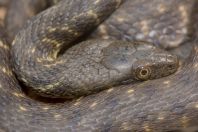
x,y
164,104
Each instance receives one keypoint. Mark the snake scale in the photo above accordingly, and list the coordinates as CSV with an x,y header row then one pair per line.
x,y
165,104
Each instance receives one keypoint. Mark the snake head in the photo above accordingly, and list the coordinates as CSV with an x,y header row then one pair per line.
x,y
160,65
139,60
153,63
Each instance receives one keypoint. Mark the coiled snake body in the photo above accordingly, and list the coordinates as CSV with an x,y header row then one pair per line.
x,y
164,104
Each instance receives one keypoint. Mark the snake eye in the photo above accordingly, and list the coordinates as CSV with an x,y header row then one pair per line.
x,y
143,73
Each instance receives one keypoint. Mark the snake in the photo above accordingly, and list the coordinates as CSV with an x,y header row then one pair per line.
x,y
164,104
25,10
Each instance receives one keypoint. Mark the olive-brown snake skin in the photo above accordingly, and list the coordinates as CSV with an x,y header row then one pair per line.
x,y
26,9
165,104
